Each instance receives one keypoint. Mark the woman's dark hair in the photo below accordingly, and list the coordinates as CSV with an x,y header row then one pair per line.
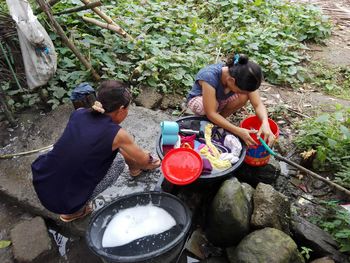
x,y
113,94
248,74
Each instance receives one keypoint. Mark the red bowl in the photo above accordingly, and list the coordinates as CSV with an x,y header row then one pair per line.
x,y
182,166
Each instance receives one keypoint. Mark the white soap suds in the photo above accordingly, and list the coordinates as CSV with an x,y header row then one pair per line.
x,y
136,222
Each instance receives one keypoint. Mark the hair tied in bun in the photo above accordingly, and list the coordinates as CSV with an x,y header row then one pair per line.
x,y
98,107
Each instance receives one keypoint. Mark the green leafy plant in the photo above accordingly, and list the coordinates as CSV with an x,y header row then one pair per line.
x,y
343,176
305,251
174,39
329,135
330,79
336,221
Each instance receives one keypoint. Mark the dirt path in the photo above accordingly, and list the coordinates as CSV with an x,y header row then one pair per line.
x,y
336,52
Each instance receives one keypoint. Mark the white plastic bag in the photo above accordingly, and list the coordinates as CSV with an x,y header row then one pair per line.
x,y
38,51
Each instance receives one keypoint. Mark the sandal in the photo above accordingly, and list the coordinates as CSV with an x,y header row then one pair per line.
x,y
84,212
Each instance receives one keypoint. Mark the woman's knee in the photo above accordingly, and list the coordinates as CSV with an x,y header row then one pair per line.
x,y
243,99
196,105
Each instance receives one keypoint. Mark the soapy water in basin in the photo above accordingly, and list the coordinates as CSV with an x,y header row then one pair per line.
x,y
135,223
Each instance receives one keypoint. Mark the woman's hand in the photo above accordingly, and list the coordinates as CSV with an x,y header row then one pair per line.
x,y
244,134
265,130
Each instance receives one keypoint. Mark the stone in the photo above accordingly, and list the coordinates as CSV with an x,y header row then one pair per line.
x,y
196,242
172,101
321,243
215,260
271,209
260,174
30,240
148,98
265,245
248,192
323,260
317,184
228,216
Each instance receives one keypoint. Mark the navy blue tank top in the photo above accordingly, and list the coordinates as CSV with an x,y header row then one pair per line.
x,y
65,177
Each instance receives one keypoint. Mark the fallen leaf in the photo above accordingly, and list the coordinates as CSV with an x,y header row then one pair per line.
x,y
4,243
307,154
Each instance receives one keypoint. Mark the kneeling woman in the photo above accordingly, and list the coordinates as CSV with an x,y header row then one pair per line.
x,y
220,90
83,161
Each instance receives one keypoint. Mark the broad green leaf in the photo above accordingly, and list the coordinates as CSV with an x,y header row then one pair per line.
x,y
339,116
345,131
332,142
292,70
68,63
59,93
322,118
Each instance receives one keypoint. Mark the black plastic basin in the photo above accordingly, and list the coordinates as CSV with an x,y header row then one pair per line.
x,y
155,248
214,176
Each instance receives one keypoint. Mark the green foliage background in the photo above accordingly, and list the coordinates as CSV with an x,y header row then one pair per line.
x,y
329,135
174,39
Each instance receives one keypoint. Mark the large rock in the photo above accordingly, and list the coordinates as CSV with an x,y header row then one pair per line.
x,y
271,209
228,217
249,193
148,98
30,240
323,260
254,175
311,236
266,245
173,101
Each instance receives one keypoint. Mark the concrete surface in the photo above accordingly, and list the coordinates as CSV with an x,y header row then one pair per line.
x,y
39,130
30,241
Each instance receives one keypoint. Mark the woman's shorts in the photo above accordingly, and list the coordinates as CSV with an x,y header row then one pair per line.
x,y
196,104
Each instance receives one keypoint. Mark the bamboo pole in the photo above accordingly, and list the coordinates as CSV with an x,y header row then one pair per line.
x,y
45,7
53,2
101,24
106,18
50,3
80,8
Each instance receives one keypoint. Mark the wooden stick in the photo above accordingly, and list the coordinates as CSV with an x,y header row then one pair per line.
x,y
9,156
45,7
80,8
108,20
338,187
50,3
298,113
53,2
101,24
